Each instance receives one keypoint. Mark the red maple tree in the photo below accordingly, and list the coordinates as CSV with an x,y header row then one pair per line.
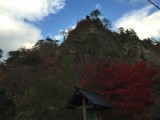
x,y
128,87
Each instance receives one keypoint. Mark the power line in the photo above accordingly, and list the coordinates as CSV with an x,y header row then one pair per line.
x,y
154,4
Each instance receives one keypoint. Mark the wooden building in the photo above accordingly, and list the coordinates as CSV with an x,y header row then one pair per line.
x,y
90,102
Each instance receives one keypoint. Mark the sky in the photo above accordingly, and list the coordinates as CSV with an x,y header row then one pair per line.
x,y
24,22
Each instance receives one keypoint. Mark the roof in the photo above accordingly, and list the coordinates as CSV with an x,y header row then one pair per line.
x,y
94,101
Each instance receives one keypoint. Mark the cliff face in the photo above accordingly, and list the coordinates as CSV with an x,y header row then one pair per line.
x,y
150,53
90,39
138,51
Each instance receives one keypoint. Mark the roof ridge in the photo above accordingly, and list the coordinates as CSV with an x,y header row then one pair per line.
x,y
84,89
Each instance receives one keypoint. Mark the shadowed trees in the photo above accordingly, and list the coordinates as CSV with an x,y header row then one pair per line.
x,y
7,107
1,52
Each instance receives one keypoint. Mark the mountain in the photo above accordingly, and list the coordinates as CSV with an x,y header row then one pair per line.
x,y
92,39
40,80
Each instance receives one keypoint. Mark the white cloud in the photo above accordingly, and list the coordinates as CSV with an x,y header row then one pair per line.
x,y
98,6
143,21
70,28
15,32
30,9
136,1
58,37
133,2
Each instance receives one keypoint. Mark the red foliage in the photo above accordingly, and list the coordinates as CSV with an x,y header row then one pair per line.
x,y
127,87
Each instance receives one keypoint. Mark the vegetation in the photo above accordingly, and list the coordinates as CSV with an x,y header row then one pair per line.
x,y
128,87
7,107
38,82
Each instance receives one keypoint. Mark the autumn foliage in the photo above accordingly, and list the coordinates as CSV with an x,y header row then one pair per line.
x,y
128,87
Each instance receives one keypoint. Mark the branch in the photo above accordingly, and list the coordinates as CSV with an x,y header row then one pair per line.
x,y
154,4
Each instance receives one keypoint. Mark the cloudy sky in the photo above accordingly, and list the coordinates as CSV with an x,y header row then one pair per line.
x,y
23,22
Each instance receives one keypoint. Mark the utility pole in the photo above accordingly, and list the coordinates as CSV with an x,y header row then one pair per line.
x,y
154,4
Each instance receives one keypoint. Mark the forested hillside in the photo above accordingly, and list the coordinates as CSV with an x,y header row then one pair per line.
x,y
36,83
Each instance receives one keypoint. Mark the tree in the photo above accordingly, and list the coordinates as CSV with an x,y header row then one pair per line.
x,y
95,14
40,91
128,87
65,34
46,48
106,23
7,108
1,52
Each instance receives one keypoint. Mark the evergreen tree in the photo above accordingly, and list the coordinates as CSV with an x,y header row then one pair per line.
x,y
95,14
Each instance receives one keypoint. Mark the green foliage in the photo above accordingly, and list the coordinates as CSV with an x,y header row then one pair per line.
x,y
46,48
7,108
89,46
24,56
43,98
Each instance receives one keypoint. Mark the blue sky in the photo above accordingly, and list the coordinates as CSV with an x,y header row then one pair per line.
x,y
74,10
23,22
